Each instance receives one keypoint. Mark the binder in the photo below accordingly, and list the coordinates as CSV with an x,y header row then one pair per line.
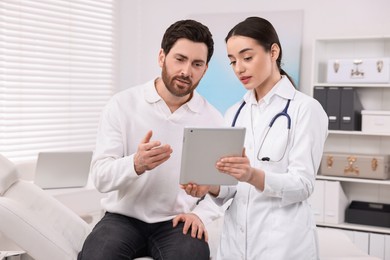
x,y
335,203
320,93
377,245
333,107
350,110
316,201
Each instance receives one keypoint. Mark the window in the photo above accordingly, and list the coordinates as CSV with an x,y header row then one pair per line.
x,y
56,74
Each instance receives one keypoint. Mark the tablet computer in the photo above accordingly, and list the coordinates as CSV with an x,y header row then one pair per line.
x,y
203,147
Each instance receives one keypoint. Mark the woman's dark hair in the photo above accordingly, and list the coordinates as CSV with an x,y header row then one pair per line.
x,y
191,30
263,32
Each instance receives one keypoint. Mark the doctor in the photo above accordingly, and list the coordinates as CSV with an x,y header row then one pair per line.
x,y
269,216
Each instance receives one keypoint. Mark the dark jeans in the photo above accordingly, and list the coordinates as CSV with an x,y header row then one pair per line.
x,y
119,237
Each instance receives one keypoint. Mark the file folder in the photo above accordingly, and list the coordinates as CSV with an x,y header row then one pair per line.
x,y
320,93
335,203
350,110
316,201
333,107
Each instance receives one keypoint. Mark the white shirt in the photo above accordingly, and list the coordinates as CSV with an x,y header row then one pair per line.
x,y
277,223
154,196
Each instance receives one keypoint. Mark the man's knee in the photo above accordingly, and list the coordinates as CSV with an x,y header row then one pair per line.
x,y
195,249
185,247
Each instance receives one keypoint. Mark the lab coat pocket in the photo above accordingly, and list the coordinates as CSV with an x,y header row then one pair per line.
x,y
294,228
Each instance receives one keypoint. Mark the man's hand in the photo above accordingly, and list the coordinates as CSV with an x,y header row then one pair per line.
x,y
192,221
195,190
199,191
150,154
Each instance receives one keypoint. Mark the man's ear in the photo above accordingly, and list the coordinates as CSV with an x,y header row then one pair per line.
x,y
275,51
161,58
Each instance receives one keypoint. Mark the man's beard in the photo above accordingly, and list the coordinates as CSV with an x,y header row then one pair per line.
x,y
170,84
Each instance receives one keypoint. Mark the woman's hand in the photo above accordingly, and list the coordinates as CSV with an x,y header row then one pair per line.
x,y
241,169
238,167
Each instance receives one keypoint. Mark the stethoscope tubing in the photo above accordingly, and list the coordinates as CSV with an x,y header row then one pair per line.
x,y
282,113
238,113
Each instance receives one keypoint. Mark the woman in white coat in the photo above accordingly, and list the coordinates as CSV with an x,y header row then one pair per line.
x,y
269,216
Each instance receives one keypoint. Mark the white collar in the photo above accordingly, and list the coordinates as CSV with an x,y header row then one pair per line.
x,y
151,96
283,88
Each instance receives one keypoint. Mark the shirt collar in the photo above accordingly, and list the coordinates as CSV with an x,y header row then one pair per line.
x,y
152,96
283,88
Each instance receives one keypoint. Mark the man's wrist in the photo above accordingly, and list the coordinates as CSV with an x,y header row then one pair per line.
x,y
138,167
139,170
214,191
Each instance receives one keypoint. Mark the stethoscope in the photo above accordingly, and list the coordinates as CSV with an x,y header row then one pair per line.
x,y
280,114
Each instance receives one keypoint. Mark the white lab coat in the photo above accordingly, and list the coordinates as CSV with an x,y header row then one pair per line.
x,y
278,222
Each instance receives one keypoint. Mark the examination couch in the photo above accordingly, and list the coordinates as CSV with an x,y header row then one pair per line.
x,y
38,224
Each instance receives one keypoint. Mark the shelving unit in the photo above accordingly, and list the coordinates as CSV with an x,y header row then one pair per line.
x,y
372,97
356,227
357,180
338,132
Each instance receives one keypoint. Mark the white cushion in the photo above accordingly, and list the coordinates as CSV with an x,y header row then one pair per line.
x,y
36,221
8,174
26,169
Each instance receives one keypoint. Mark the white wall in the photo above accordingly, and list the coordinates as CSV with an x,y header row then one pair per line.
x,y
143,22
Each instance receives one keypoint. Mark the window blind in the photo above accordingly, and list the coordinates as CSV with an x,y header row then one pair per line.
x,y
57,63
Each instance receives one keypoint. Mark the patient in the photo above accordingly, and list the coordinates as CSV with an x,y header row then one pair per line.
x,y
137,158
